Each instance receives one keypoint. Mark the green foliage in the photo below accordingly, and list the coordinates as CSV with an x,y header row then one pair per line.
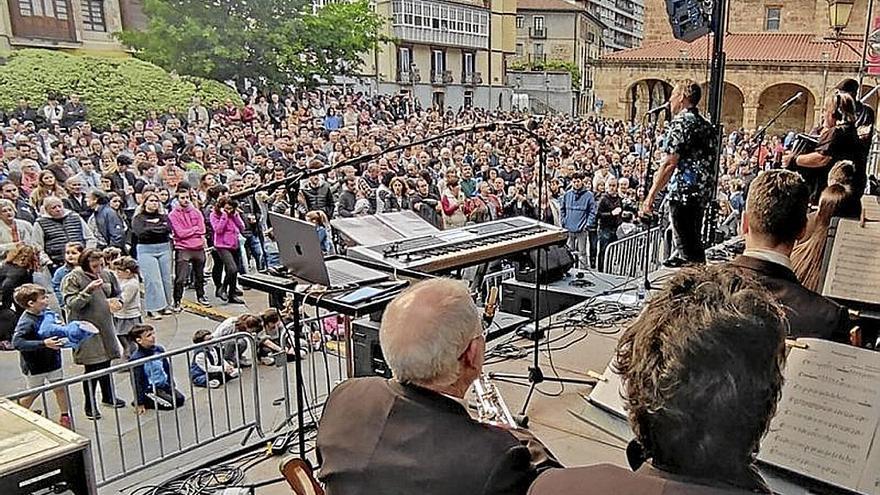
x,y
270,42
115,90
550,65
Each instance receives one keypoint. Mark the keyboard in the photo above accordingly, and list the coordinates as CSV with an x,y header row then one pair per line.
x,y
462,247
343,272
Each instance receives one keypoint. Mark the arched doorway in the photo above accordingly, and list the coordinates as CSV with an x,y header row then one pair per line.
x,y
644,95
732,101
799,117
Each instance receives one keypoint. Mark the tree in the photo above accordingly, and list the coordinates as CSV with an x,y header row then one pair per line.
x,y
268,42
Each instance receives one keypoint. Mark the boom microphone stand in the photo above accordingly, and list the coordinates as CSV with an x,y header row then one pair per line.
x,y
536,376
649,182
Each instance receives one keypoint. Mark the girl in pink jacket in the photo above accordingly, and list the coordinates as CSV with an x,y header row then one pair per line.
x,y
227,226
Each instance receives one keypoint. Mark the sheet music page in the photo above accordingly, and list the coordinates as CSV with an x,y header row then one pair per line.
x,y
854,264
608,393
827,419
871,207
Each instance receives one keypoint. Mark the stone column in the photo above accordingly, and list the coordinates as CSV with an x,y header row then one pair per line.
x,y
750,116
818,117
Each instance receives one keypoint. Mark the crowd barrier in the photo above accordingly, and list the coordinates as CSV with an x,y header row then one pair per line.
x,y
625,257
260,398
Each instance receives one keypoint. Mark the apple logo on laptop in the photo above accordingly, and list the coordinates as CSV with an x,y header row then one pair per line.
x,y
299,251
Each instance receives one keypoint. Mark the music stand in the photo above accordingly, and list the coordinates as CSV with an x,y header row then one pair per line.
x,y
536,376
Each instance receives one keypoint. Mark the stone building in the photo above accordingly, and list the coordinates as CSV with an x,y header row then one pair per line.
x,y
770,57
445,53
67,24
557,30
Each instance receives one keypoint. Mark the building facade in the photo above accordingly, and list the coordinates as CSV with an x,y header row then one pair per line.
x,y
771,57
557,31
624,21
445,53
67,24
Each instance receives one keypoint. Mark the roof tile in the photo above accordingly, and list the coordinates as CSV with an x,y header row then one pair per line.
x,y
757,47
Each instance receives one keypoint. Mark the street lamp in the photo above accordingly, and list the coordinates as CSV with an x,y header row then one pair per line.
x,y
838,14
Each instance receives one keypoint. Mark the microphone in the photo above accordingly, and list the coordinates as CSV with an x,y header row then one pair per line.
x,y
791,101
657,109
490,308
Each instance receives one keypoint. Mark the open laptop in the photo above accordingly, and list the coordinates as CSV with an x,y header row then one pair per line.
x,y
300,253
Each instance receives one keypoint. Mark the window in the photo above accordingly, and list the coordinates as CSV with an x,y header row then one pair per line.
x,y
772,20
538,21
468,64
404,59
438,63
93,15
43,8
519,49
519,21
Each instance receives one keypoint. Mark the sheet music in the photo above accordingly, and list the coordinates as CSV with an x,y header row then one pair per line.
x,y
854,263
608,393
871,207
826,422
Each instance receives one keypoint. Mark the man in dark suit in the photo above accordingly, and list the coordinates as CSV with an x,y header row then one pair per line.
x,y
702,372
774,219
413,434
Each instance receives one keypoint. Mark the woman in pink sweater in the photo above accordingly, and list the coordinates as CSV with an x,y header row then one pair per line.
x,y
227,226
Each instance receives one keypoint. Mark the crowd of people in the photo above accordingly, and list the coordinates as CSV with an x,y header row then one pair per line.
x,y
92,215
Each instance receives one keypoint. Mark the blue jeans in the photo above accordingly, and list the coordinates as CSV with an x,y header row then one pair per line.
x,y
253,246
606,237
155,264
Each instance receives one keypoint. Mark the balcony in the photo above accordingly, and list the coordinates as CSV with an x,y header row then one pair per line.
x,y
471,78
538,33
441,77
408,76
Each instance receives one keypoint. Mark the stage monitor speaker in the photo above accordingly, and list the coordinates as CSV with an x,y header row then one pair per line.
x,y
690,19
39,457
556,261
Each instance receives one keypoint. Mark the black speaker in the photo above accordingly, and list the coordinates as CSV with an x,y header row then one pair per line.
x,y
556,261
690,19
367,353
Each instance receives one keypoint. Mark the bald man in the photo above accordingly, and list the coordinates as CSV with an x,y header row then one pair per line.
x,y
413,434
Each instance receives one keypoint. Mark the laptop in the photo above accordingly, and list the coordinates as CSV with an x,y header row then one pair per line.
x,y
300,253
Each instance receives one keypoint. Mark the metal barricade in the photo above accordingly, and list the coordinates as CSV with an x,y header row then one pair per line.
x,y
124,442
625,257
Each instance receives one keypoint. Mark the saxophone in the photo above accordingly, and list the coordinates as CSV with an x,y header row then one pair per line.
x,y
491,408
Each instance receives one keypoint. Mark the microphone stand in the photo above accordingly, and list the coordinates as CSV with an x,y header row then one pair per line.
x,y
649,182
758,138
536,376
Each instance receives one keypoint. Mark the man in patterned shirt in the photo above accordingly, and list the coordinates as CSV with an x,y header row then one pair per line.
x,y
690,150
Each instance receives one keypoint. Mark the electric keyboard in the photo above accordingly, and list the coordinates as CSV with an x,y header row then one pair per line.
x,y
462,247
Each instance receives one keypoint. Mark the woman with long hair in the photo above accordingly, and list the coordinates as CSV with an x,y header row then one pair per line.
x,y
152,232
91,294
17,269
227,226
806,259
47,185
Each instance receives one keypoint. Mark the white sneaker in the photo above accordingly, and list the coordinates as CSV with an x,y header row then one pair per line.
x,y
214,383
268,361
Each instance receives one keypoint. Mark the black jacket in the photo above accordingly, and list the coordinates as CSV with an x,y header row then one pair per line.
x,y
347,201
319,198
607,205
409,440
809,314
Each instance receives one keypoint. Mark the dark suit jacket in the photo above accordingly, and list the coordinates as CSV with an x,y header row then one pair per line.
x,y
809,314
607,479
380,437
